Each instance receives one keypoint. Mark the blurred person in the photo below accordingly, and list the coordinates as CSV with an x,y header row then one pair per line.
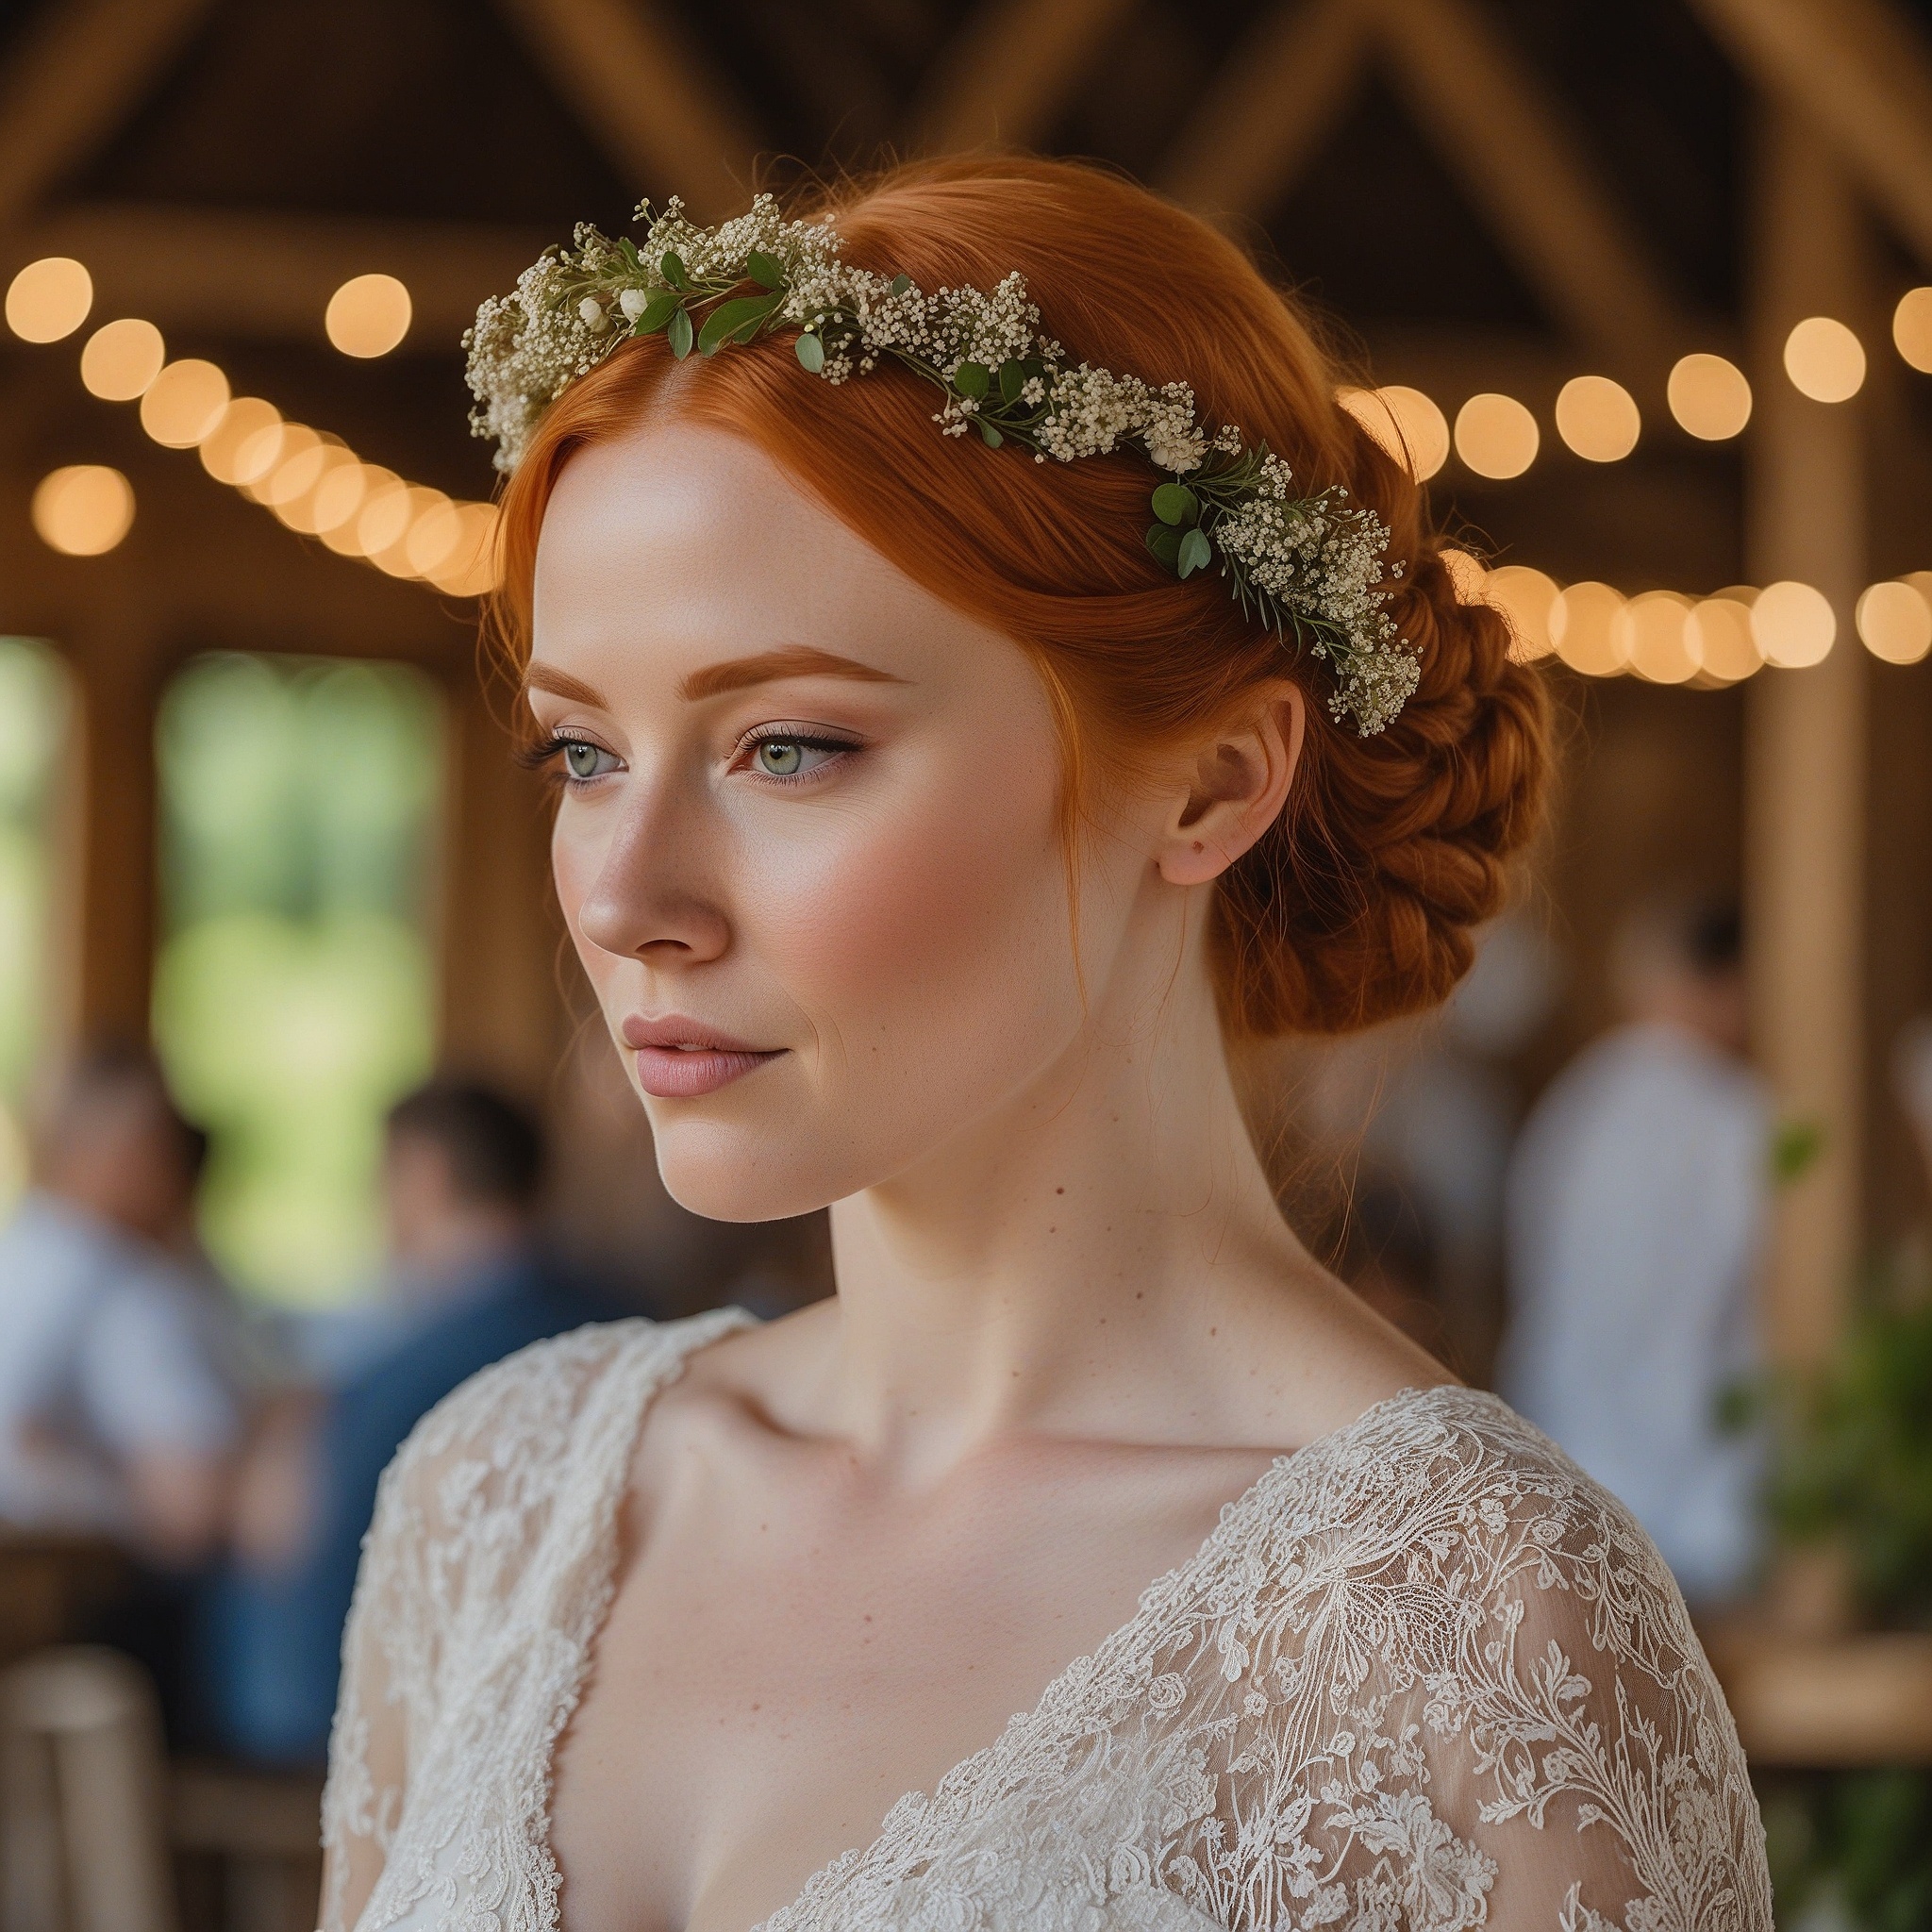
x,y
1638,1199
462,1175
119,1406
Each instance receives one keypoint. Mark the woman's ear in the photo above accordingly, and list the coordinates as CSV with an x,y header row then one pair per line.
x,y
1237,787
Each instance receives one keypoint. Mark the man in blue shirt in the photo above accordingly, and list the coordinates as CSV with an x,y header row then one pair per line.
x,y
461,1174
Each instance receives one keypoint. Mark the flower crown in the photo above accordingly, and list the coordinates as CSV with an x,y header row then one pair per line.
x,y
1307,566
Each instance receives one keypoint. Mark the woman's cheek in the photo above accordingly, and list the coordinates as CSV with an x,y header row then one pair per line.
x,y
575,859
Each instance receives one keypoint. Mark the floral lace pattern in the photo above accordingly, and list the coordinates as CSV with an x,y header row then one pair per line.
x,y
1423,1676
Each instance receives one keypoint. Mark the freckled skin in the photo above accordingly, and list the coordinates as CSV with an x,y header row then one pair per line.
x,y
1069,1323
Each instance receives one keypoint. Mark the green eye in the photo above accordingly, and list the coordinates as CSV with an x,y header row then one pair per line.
x,y
581,760
780,758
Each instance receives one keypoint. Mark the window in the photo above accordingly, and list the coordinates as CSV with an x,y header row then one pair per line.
x,y
294,991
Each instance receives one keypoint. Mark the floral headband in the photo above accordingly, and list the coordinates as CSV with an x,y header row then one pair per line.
x,y
1308,566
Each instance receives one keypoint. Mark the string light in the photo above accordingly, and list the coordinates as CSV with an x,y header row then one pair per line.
x,y
235,450
1911,328
121,358
49,298
184,403
1655,638
1597,418
83,510
1895,622
1720,631
1524,596
1708,396
367,315
1794,625
1584,629
1824,360
1405,423
1495,436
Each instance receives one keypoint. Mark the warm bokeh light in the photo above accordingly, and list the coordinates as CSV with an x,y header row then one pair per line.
x,y
121,358
339,497
1718,630
236,450
184,403
1495,436
1824,360
296,489
294,467
1895,623
1598,418
1465,573
1911,328
1655,637
433,536
417,503
1405,423
1709,397
346,538
49,298
470,568
1584,629
1525,597
367,315
83,510
383,521
1794,625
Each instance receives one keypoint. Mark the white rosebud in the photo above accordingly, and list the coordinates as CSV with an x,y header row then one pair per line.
x,y
593,313
632,302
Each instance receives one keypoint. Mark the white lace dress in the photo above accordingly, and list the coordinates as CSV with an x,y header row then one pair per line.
x,y
1424,1674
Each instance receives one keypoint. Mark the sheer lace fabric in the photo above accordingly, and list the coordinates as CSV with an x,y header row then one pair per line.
x,y
1423,1676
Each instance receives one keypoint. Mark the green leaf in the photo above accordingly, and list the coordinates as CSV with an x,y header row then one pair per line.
x,y
729,318
973,379
1012,380
1165,542
680,334
988,434
1196,553
656,312
901,283
1796,1146
673,271
764,270
811,353
1174,503
628,249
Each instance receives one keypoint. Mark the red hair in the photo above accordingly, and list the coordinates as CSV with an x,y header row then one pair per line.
x,y
1357,903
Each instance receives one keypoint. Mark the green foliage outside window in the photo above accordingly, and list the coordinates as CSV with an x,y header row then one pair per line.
x,y
294,991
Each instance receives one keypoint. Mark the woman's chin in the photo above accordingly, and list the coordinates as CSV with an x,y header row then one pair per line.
x,y
727,1175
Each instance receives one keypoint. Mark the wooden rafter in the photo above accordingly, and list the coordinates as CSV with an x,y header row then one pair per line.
x,y
1009,71
654,106
1862,74
1490,120
1270,108
81,71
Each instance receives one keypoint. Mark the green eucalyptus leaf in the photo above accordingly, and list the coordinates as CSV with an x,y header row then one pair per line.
x,y
811,353
1164,541
673,271
988,434
628,249
730,319
1174,503
656,312
901,283
1196,553
764,269
1012,380
973,379
680,333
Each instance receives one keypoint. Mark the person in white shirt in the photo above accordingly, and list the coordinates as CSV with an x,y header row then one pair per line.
x,y
118,1414
1637,1206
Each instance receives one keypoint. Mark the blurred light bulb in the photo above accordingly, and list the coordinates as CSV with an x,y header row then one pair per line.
x,y
83,510
434,531
296,492
417,501
1525,597
1405,423
1911,328
346,538
1824,360
471,569
1583,627
1495,436
49,298
121,358
367,315
1709,397
1895,623
228,448
1720,631
384,519
1794,625
184,403
1655,637
1598,418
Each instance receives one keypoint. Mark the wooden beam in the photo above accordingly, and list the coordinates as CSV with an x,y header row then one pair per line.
x,y
1862,74
1490,120
79,73
661,117
1805,741
1008,72
1273,105
271,276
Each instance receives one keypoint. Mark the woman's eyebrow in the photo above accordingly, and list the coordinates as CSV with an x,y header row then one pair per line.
x,y
792,661
562,685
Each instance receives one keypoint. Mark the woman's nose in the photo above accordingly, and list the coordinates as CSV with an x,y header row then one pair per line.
x,y
648,899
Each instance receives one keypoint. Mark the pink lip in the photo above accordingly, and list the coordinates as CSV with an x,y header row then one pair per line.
x,y
681,1059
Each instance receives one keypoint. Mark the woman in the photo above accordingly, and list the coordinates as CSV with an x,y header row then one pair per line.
x,y
929,823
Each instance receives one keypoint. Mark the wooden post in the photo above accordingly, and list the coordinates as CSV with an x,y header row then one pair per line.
x,y
1805,746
